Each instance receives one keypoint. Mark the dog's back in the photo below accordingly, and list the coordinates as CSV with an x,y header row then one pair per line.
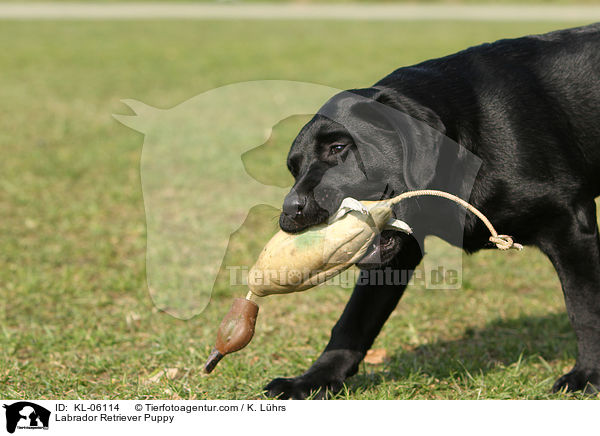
x,y
545,87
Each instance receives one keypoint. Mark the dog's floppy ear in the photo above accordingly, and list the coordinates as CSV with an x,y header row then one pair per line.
x,y
391,129
421,134
430,158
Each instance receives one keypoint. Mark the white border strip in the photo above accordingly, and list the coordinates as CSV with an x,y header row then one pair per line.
x,y
376,12
448,418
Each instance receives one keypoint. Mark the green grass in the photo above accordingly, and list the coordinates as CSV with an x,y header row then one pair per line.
x,y
467,2
77,319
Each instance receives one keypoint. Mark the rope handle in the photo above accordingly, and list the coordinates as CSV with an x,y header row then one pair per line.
x,y
502,242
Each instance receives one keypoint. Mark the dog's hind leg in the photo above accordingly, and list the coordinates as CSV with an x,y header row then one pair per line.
x,y
367,310
573,246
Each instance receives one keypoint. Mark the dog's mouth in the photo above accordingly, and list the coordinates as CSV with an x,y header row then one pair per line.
x,y
378,255
381,251
298,224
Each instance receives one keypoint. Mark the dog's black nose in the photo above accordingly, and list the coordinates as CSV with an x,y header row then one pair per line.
x,y
293,204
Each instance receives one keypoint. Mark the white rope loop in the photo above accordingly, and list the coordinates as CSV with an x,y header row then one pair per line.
x,y
505,242
502,242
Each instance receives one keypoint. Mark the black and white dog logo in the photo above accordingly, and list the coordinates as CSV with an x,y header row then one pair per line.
x,y
26,415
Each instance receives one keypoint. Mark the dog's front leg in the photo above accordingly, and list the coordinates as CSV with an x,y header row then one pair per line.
x,y
367,310
574,249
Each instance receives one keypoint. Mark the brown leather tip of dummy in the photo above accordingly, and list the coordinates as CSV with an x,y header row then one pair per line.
x,y
237,327
235,332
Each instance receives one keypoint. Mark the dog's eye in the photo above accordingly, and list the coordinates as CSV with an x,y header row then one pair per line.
x,y
336,148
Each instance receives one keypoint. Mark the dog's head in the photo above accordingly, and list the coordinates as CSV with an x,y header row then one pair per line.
x,y
363,144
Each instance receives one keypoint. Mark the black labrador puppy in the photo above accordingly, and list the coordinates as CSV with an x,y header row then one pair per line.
x,y
529,108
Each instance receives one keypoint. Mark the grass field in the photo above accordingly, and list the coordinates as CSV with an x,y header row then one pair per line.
x,y
77,319
468,2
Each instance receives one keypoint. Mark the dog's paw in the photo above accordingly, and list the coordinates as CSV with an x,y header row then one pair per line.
x,y
303,387
584,380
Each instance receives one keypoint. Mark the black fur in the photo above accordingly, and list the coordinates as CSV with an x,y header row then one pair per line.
x,y
529,108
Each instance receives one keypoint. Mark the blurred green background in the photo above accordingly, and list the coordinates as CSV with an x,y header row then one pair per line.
x,y
77,319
